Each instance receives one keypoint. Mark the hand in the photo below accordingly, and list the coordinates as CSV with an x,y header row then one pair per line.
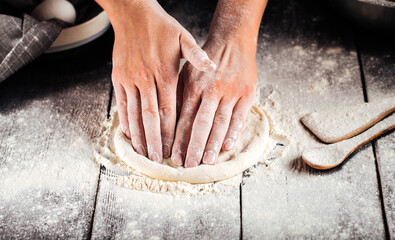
x,y
216,104
147,50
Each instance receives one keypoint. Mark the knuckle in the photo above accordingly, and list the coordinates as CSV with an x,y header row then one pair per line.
x,y
187,37
122,103
232,134
167,75
213,145
183,123
221,119
204,118
166,111
142,73
202,121
150,112
219,76
115,76
237,123
249,98
195,51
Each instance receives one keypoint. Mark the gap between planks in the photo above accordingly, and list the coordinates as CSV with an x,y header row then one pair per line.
x,y
373,142
89,236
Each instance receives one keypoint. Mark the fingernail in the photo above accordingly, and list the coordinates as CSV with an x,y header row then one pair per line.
x,y
155,157
141,150
209,157
177,159
166,151
191,163
228,144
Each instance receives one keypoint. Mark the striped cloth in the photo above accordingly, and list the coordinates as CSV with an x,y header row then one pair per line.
x,y
22,38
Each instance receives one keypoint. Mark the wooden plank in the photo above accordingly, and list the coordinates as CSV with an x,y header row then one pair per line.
x,y
130,214
50,113
307,61
378,61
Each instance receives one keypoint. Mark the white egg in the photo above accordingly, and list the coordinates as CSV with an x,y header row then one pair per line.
x,y
60,9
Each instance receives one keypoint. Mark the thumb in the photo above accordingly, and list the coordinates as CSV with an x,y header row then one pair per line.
x,y
195,55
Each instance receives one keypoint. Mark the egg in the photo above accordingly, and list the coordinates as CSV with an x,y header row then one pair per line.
x,y
59,9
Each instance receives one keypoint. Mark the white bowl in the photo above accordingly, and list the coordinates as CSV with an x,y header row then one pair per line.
x,y
78,35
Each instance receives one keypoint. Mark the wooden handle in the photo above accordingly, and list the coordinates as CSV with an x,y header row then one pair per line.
x,y
330,156
338,124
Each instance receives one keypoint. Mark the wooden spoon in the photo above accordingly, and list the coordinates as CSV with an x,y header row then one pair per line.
x,y
340,123
330,156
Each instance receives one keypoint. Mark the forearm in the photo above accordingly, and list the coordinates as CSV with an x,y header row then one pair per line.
x,y
237,20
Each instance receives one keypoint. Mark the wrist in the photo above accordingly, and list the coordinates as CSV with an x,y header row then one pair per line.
x,y
237,22
235,40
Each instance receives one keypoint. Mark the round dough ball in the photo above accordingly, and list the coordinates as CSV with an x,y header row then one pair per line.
x,y
247,151
59,9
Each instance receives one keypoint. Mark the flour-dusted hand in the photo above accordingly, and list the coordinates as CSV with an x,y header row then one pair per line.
x,y
147,50
215,105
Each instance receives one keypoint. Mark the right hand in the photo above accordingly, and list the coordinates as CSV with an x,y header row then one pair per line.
x,y
148,47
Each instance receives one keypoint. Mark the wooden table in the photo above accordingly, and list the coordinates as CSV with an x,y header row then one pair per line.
x,y
50,116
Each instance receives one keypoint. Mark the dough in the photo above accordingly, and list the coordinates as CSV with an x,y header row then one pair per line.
x,y
247,151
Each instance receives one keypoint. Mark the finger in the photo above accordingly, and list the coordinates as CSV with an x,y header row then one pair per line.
x,y
151,122
121,98
135,121
200,132
237,121
183,130
218,132
194,54
168,115
179,95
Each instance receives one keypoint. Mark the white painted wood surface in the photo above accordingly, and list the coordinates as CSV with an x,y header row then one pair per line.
x,y
378,60
49,114
122,213
50,117
308,58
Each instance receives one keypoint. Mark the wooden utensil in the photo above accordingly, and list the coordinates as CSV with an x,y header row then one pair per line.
x,y
330,156
342,122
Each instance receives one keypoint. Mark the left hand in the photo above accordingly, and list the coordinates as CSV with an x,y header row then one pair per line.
x,y
215,105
